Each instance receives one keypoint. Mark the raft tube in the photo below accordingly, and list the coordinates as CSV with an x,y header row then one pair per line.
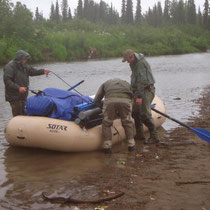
x,y
66,136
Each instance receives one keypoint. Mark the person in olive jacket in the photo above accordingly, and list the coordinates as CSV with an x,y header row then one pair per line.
x,y
117,104
16,80
142,83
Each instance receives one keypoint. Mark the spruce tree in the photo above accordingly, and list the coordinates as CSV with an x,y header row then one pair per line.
x,y
123,12
166,14
181,12
199,17
86,9
57,12
191,12
69,14
102,11
159,14
38,16
138,12
80,9
206,14
52,12
129,12
64,7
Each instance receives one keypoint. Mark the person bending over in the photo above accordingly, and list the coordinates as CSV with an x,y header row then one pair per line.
x,y
117,104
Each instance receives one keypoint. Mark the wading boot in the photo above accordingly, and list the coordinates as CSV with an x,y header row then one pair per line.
x,y
107,151
140,137
152,140
131,148
140,134
153,132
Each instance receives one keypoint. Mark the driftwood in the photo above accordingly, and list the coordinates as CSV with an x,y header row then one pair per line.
x,y
193,182
72,200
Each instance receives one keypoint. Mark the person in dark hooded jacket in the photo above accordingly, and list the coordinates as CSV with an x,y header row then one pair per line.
x,y
16,80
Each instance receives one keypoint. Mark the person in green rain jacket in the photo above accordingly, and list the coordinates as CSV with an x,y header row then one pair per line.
x,y
142,83
16,80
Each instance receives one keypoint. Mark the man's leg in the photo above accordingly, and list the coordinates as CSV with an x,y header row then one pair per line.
x,y
109,113
124,109
18,107
136,114
147,116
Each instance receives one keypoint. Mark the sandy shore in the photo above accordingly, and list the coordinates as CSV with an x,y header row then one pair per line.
x,y
174,176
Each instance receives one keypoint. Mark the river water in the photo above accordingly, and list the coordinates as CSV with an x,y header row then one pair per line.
x,y
26,172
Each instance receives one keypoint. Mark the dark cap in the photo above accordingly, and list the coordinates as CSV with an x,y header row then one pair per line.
x,y
127,54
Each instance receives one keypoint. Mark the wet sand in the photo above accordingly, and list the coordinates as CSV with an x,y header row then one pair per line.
x,y
156,176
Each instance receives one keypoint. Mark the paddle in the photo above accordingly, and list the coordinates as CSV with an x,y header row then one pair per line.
x,y
73,87
201,133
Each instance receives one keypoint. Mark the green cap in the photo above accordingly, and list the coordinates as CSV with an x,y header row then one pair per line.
x,y
127,54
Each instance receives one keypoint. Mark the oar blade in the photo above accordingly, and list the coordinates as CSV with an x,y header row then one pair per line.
x,y
202,133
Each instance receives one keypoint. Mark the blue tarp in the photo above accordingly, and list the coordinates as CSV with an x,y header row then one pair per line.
x,y
55,103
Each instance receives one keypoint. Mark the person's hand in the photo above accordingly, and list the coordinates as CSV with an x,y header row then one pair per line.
x,y
139,101
22,89
46,71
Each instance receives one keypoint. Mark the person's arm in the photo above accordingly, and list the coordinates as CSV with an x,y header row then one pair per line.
x,y
99,96
35,72
9,78
47,71
141,78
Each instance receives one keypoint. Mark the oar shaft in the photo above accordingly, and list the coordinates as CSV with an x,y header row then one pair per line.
x,y
66,83
61,79
73,87
201,133
171,118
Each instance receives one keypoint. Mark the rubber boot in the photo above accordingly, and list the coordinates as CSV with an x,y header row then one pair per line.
x,y
153,132
140,133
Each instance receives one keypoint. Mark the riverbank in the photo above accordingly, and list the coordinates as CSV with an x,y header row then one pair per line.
x,y
155,177
67,43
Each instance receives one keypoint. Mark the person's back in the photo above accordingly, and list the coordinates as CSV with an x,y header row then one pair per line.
x,y
113,88
117,104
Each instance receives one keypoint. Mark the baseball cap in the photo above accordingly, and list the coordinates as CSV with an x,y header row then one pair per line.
x,y
127,54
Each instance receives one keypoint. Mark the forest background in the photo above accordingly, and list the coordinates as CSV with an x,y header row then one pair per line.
x,y
96,30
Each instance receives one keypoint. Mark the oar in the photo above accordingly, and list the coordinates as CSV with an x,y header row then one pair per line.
x,y
201,133
73,87
66,82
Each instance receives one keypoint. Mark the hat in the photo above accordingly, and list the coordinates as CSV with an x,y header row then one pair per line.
x,y
127,54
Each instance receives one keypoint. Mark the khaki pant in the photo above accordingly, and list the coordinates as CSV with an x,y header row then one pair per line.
x,y
18,107
114,108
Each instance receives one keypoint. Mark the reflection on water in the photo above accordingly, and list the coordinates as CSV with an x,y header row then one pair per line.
x,y
32,171
26,172
40,163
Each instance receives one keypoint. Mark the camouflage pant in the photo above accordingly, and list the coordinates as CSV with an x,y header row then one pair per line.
x,y
142,114
117,108
17,107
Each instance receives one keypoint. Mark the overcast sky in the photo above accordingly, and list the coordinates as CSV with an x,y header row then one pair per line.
x,y
44,5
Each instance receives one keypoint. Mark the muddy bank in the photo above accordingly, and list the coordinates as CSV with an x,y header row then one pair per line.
x,y
153,177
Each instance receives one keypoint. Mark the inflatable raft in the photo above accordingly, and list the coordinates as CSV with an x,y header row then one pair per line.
x,y
65,136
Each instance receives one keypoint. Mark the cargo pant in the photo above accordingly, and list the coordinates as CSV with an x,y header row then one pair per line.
x,y
114,108
18,107
142,114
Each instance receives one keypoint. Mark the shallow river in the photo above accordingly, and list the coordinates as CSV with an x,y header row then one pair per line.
x,y
25,172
